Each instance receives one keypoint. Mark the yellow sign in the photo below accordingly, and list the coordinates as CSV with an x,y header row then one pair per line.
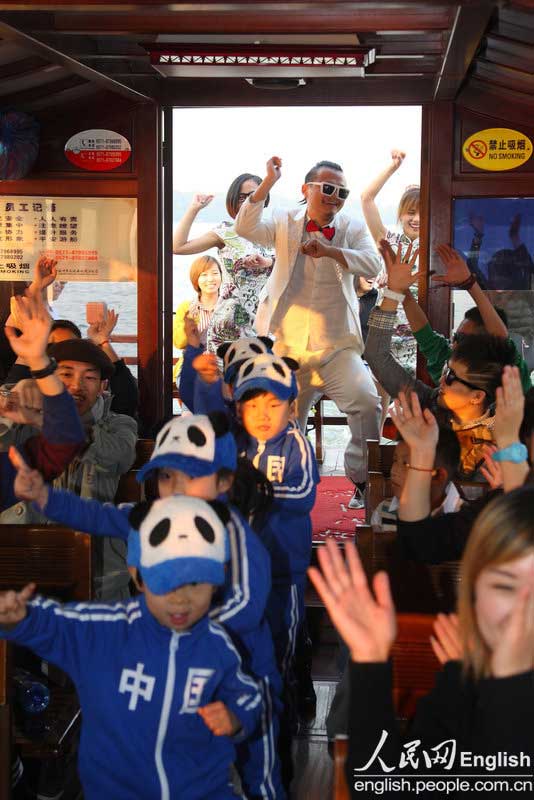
x,y
497,149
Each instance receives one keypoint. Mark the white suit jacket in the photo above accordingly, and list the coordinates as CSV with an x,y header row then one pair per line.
x,y
284,232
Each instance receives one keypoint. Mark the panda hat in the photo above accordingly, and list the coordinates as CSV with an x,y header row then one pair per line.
x,y
268,373
235,353
198,445
178,540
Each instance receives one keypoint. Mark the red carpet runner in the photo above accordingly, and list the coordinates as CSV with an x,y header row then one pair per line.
x,y
331,515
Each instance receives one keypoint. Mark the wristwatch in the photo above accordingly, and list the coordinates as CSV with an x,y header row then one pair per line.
x,y
516,453
391,295
45,371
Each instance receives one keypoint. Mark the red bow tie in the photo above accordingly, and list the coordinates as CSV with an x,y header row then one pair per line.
x,y
328,231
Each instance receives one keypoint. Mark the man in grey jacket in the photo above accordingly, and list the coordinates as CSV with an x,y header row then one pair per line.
x,y
110,451
309,304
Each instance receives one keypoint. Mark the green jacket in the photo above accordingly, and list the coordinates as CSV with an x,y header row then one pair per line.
x,y
437,350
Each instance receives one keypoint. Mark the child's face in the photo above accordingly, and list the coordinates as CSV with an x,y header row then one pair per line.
x,y
398,468
207,487
497,591
181,608
265,416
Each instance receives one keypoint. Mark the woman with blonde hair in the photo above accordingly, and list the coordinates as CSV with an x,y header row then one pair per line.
x,y
481,705
403,343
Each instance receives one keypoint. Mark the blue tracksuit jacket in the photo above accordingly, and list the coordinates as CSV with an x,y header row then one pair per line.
x,y
140,685
289,463
240,607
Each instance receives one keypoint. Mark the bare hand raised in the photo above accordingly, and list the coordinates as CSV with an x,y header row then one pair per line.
x,y
101,330
366,622
418,428
274,169
13,605
35,322
398,267
397,157
29,483
44,275
200,201
456,268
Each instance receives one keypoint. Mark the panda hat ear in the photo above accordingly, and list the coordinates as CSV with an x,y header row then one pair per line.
x,y
221,509
138,513
266,341
223,349
219,422
291,363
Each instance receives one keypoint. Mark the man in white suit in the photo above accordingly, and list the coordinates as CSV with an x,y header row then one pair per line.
x,y
309,304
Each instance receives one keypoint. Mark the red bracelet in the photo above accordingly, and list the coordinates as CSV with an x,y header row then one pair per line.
x,y
106,341
421,469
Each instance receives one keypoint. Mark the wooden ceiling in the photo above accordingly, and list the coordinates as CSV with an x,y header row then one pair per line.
x,y
52,52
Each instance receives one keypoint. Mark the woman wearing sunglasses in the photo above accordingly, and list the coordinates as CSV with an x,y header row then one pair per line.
x,y
246,266
309,303
466,392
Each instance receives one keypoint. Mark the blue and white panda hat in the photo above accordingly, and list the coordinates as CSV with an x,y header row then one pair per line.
x,y
235,353
178,540
199,444
268,373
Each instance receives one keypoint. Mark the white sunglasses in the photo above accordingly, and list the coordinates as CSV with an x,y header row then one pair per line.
x,y
331,188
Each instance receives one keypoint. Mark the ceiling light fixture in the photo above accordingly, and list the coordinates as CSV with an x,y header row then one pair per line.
x,y
259,61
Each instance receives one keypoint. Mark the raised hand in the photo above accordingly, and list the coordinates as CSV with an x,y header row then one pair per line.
x,y
399,269
191,331
207,367
45,273
29,483
446,642
200,201
35,322
509,408
274,169
397,157
101,330
219,719
13,605
456,268
514,651
418,428
491,470
366,622
315,248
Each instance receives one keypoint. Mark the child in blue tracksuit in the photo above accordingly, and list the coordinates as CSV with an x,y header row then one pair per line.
x,y
205,394
196,456
161,688
264,391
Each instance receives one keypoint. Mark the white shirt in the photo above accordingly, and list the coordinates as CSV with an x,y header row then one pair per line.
x,y
312,315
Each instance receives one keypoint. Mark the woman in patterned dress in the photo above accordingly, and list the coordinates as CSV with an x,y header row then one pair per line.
x,y
246,266
403,344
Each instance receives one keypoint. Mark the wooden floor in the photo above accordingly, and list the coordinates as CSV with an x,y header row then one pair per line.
x,y
313,765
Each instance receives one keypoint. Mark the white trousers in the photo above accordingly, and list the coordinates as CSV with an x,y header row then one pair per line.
x,y
346,380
